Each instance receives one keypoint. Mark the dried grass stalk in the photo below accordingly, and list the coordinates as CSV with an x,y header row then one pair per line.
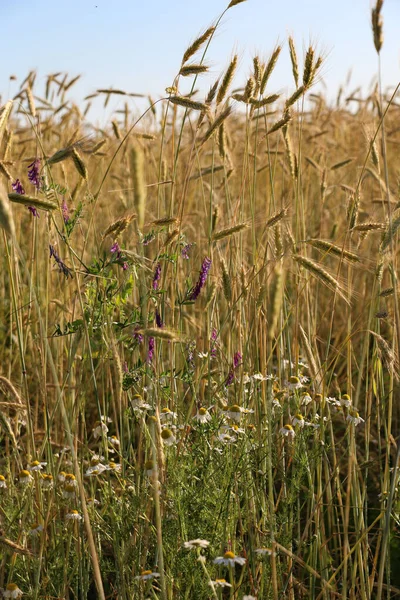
x,y
196,45
193,69
329,248
227,80
294,61
269,68
43,203
224,233
320,274
119,226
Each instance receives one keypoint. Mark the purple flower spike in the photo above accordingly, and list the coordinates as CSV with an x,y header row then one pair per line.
x,y
33,173
61,265
65,211
237,360
33,211
158,319
137,336
18,187
157,276
125,266
185,251
115,248
150,352
205,267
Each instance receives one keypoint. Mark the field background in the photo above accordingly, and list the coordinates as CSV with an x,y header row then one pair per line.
x,y
232,254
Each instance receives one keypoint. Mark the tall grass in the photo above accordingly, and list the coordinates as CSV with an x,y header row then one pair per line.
x,y
199,340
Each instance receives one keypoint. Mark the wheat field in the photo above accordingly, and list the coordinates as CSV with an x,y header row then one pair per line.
x,y
199,330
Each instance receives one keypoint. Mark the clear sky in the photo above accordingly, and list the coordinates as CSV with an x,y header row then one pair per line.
x,y
137,45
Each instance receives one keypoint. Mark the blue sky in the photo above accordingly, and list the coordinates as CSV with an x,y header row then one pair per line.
x,y
137,45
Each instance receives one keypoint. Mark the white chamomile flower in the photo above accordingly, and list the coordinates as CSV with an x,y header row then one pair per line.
x,y
113,466
265,551
234,412
220,583
287,431
36,530
150,468
167,415
202,415
229,559
168,437
3,483
305,399
248,597
354,417
35,465
99,429
298,420
146,575
202,354
47,481
113,440
196,544
226,438
345,400
294,383
24,478
259,377
12,591
73,515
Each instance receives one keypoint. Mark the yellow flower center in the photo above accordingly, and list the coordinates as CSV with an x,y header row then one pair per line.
x,y
35,463
70,477
288,427
2,478
165,411
145,573
24,473
220,580
235,408
229,555
299,417
149,465
202,411
166,434
294,379
11,587
346,397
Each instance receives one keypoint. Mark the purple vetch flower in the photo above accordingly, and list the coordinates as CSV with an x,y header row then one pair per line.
x,y
157,276
150,352
237,358
61,265
33,173
115,249
125,266
205,267
159,321
18,187
230,378
149,237
137,336
34,211
185,251
125,367
65,211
